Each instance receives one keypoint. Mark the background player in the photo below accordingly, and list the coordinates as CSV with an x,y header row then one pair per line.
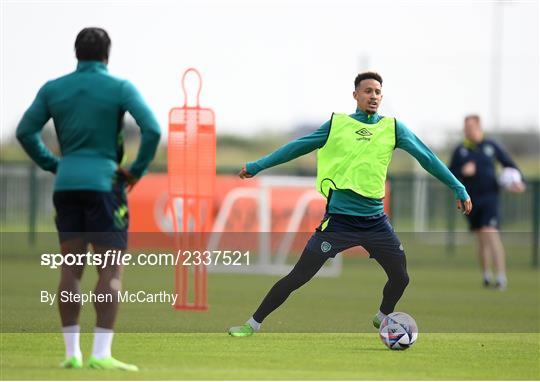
x,y
354,153
87,107
473,162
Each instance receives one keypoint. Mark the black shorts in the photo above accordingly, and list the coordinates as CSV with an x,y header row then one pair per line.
x,y
339,232
485,213
101,218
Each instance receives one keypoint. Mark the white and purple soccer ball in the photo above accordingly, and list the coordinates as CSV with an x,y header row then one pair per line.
x,y
509,177
398,331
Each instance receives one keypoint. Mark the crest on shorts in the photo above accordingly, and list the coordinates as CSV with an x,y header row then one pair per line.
x,y
326,246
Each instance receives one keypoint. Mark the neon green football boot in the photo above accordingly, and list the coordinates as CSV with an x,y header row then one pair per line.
x,y
110,363
241,331
72,363
376,322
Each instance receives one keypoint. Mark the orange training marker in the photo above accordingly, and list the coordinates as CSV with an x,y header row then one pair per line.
x,y
191,162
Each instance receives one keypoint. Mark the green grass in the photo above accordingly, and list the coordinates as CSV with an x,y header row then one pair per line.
x,y
322,332
343,356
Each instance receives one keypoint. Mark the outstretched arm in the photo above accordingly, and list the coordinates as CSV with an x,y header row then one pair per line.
x,y
288,152
29,133
406,140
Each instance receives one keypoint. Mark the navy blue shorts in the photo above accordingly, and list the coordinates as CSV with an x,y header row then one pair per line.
x,y
100,218
485,213
339,232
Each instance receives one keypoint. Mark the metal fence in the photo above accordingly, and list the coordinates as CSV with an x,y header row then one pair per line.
x,y
418,203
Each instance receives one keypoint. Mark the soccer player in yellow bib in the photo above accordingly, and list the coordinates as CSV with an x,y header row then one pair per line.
x,y
354,153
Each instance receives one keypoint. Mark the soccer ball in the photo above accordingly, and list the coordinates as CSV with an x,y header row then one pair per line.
x,y
398,331
509,176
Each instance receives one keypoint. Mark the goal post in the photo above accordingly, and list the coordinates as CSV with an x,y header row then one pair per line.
x,y
269,261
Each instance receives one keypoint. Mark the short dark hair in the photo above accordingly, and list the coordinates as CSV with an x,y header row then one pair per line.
x,y
367,76
475,117
92,44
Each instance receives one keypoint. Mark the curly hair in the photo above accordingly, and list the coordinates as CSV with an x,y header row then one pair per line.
x,y
367,76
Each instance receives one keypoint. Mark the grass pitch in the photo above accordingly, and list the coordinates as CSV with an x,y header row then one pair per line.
x,y
322,332
290,356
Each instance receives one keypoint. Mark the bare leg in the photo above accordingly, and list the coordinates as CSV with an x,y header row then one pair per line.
x,y
484,256
109,282
70,281
497,252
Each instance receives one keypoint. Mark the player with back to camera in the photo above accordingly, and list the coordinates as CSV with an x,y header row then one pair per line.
x,y
87,107
354,153
473,162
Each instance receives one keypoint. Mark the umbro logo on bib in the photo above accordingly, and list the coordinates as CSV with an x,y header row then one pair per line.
x,y
364,134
